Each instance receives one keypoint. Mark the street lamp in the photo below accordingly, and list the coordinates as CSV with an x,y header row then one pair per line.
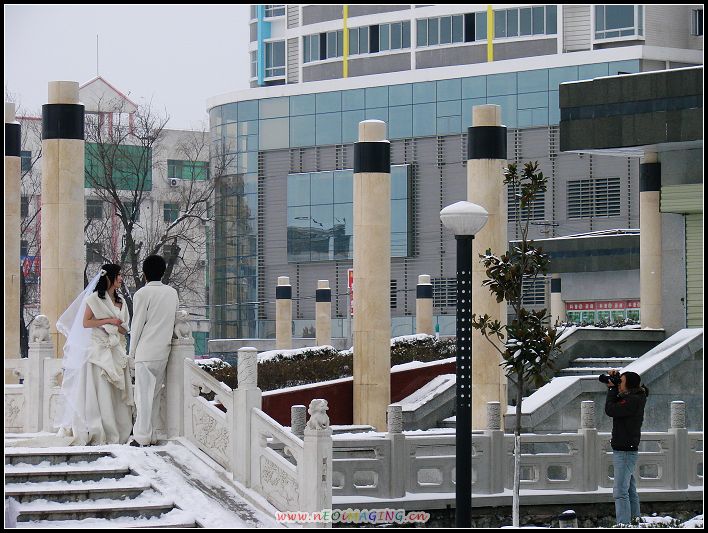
x,y
464,219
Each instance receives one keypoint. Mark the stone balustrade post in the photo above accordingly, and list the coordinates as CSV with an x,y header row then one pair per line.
x,y
424,305
34,384
315,472
497,460
182,348
323,313
246,397
680,434
298,418
394,420
591,453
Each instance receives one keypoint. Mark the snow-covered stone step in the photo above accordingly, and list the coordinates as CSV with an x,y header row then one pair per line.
x,y
174,519
450,422
35,457
148,504
611,362
61,491
23,473
586,371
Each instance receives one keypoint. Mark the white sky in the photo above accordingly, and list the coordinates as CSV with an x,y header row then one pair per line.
x,y
176,56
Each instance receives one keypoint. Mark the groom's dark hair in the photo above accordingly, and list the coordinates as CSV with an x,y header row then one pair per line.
x,y
154,267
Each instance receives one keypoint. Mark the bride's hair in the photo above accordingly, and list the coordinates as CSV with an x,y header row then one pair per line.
x,y
105,281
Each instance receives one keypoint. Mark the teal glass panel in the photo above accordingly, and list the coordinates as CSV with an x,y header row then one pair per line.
x,y
321,188
343,231
623,67
448,125
499,24
216,116
508,105
424,92
343,187
274,133
250,183
321,223
400,125
480,26
512,22
501,84
399,244
533,80
525,118
251,142
422,32
377,97
252,160
329,102
230,112
399,182
467,106
299,233
474,87
248,110
350,125
448,109
302,131
247,128
328,128
400,94
532,100
525,21
553,107
298,190
538,20
551,20
302,105
399,216
540,116
556,76
587,72
449,90
379,113
274,107
354,99
424,123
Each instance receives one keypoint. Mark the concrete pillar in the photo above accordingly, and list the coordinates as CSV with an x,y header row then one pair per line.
x,y
13,143
298,418
486,152
246,397
497,459
557,305
398,451
680,446
372,272
283,314
63,210
323,313
182,348
315,471
424,305
591,457
650,241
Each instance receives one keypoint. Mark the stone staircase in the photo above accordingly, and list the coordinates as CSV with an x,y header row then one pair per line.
x,y
594,366
78,488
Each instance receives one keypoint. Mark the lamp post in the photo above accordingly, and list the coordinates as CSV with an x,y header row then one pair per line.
x,y
464,219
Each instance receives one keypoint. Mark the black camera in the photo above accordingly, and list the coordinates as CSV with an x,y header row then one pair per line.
x,y
612,378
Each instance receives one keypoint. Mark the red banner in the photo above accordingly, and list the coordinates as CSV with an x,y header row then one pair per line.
x,y
607,305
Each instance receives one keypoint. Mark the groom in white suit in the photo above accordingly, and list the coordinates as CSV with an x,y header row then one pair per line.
x,y
154,309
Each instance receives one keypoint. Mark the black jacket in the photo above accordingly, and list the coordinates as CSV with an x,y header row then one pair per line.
x,y
627,412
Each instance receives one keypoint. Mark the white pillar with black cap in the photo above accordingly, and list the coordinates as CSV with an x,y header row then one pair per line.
x,y
557,306
323,313
424,305
63,203
283,314
12,233
650,241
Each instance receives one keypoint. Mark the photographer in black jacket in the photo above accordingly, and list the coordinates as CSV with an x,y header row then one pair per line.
x,y
626,398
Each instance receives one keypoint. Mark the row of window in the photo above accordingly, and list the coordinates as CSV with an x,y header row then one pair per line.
x,y
612,21
363,40
95,210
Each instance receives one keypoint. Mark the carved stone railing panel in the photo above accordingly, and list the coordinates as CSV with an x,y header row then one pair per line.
x,y
362,467
431,465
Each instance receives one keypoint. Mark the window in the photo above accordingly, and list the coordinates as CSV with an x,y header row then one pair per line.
x,y
394,36
170,212
445,30
537,209
25,160
94,253
594,198
94,209
275,59
697,22
534,292
394,294
254,64
612,21
187,170
444,292
275,11
24,206
24,248
323,46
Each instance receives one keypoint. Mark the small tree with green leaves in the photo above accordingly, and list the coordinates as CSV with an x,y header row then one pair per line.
x,y
527,344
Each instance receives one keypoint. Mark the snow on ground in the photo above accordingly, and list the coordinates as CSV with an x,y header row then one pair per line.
x,y
289,354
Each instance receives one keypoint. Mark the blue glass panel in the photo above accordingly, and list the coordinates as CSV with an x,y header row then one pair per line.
x,y
424,123
630,66
298,189
500,84
377,97
401,122
448,125
379,113
354,99
399,215
474,87
321,188
525,118
302,105
480,23
399,182
248,110
329,128
216,116
247,128
508,105
274,134
556,76
302,131
251,143
399,245
551,20
400,94
250,183
533,80
448,90
423,92
274,107
343,231
553,107
299,233
229,112
587,72
329,102
350,125
343,187
252,161
467,106
540,116
448,109
321,242
532,100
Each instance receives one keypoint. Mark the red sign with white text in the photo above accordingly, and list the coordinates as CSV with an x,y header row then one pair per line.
x,y
607,305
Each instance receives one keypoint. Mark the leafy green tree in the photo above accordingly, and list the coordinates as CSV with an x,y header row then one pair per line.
x,y
527,344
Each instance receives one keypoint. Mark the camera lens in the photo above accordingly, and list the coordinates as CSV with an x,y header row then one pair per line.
x,y
604,378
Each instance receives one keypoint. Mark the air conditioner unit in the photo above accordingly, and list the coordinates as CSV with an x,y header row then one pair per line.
x,y
173,182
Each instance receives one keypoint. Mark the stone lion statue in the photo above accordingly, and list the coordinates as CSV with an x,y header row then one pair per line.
x,y
182,328
318,415
39,332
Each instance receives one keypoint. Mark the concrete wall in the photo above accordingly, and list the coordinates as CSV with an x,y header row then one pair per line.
x,y
681,166
608,285
673,265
